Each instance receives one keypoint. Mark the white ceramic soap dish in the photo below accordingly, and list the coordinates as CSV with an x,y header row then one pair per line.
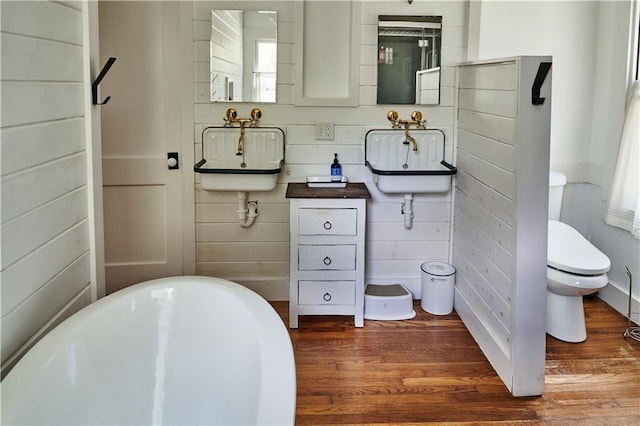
x,y
326,182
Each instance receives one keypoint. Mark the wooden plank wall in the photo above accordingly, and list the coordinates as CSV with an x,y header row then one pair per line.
x,y
227,47
45,226
258,257
500,217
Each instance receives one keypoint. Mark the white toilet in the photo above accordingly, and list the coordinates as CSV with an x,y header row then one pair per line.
x,y
574,268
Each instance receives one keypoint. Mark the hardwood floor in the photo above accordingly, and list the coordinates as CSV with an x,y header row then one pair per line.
x,y
430,370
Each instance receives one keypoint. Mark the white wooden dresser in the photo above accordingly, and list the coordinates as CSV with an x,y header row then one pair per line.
x,y
327,237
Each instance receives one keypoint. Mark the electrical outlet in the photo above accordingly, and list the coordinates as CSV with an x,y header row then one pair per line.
x,y
325,131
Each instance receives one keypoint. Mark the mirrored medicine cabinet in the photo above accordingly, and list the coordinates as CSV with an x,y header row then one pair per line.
x,y
409,57
243,56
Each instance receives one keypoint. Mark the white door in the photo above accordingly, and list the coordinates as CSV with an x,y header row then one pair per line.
x,y
141,124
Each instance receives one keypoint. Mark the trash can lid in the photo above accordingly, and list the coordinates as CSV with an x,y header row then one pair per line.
x,y
440,269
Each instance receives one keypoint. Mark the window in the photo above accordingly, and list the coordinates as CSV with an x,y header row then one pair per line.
x,y
623,207
264,74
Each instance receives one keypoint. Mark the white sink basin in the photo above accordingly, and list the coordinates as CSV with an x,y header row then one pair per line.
x,y
399,169
253,165
217,181
394,183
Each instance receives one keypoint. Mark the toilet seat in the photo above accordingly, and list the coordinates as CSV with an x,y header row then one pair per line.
x,y
570,252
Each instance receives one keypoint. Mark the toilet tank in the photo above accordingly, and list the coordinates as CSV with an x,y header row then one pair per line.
x,y
557,181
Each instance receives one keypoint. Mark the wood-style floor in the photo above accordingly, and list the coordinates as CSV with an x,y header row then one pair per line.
x,y
430,370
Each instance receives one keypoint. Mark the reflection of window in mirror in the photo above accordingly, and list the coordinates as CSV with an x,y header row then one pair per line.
x,y
264,74
243,56
409,59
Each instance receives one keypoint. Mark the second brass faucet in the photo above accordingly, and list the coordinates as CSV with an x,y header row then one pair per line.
x,y
416,119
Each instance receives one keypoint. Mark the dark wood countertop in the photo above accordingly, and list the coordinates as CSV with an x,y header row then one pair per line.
x,y
352,190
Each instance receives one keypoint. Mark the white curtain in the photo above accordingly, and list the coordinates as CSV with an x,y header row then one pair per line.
x,y
623,209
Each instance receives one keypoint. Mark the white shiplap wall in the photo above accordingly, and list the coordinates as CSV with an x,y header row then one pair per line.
x,y
226,51
46,239
500,231
259,256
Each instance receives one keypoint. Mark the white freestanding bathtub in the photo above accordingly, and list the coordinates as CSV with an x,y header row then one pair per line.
x,y
181,350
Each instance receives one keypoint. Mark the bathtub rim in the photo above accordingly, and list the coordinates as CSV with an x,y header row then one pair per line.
x,y
270,327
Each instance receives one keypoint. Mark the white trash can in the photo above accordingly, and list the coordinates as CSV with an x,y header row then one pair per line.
x,y
438,280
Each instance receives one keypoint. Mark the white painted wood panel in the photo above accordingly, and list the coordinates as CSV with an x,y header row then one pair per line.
x,y
40,60
487,245
134,170
21,279
492,275
394,269
254,270
498,76
44,20
496,102
490,126
500,217
259,232
134,221
229,251
498,311
501,232
327,56
272,212
30,102
499,154
499,205
368,115
44,304
427,212
495,178
62,176
396,232
29,146
482,305
402,250
48,264
32,230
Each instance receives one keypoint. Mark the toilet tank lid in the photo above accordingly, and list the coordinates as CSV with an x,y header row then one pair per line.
x,y
557,178
569,251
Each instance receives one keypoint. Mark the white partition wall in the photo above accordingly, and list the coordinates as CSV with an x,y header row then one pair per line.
x,y
501,199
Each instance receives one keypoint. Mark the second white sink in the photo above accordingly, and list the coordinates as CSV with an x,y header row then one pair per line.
x,y
398,168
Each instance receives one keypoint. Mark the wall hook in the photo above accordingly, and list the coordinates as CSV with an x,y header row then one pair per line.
x,y
94,85
543,70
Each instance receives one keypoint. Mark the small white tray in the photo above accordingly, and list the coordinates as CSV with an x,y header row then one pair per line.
x,y
326,182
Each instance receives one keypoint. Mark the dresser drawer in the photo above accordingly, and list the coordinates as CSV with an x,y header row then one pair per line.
x,y
327,257
326,292
327,221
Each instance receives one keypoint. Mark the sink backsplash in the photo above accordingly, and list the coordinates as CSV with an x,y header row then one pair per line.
x,y
262,148
389,149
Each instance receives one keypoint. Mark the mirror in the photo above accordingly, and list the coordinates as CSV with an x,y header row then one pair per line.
x,y
244,56
409,49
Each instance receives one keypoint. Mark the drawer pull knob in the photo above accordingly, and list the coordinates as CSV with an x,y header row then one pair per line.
x,y
326,297
327,225
327,260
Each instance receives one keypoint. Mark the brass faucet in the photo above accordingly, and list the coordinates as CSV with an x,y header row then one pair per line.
x,y
240,149
416,119
231,117
408,138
